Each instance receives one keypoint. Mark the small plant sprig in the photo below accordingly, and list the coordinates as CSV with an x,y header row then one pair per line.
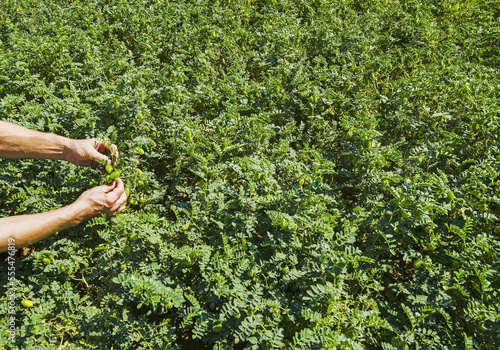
x,y
109,169
111,173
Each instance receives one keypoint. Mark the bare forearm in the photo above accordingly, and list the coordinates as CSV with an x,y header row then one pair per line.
x,y
19,142
29,229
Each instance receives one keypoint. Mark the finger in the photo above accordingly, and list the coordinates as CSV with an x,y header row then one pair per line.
x,y
100,146
106,188
114,151
102,149
119,203
97,157
118,206
122,208
118,191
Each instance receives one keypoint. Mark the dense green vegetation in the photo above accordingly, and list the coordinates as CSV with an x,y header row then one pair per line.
x,y
302,174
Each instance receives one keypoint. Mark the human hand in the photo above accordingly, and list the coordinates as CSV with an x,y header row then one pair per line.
x,y
88,152
108,199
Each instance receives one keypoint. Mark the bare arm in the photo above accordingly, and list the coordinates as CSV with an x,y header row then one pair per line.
x,y
28,229
19,142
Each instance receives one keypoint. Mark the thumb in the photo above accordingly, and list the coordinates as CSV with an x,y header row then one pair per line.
x,y
99,156
108,187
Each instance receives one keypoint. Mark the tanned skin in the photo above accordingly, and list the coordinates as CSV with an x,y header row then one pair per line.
x,y
17,142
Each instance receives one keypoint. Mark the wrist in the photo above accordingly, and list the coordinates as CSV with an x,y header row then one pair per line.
x,y
50,146
84,208
68,146
79,212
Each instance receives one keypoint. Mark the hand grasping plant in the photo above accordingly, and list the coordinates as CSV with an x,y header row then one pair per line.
x,y
86,152
19,142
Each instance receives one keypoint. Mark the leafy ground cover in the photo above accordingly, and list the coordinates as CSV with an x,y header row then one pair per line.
x,y
302,174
